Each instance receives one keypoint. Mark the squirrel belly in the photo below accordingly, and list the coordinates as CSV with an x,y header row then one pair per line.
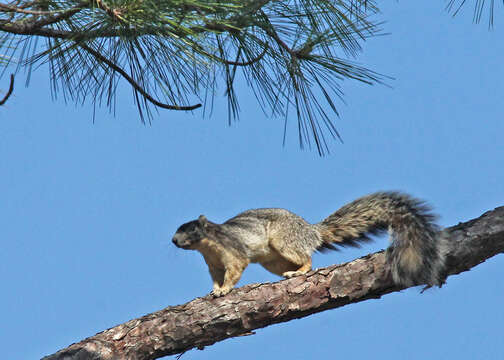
x,y
283,242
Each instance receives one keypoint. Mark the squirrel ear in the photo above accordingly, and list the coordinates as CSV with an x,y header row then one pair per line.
x,y
202,220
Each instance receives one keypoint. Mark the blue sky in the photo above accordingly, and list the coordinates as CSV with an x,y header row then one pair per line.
x,y
88,209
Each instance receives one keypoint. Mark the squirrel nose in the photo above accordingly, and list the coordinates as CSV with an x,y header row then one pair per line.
x,y
174,240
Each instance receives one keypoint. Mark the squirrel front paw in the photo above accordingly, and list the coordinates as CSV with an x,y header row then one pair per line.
x,y
218,292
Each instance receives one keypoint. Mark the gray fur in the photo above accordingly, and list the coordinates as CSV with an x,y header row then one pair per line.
x,y
416,253
254,227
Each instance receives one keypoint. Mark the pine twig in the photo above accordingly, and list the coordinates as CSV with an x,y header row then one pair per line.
x,y
9,92
133,83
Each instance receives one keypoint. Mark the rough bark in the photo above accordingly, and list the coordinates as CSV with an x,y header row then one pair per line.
x,y
207,320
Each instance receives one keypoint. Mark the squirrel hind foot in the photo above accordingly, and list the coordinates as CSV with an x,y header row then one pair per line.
x,y
291,274
300,271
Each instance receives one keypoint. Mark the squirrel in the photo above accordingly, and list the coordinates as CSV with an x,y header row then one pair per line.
x,y
283,242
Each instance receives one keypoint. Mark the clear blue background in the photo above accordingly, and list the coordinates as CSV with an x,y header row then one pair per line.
x,y
88,210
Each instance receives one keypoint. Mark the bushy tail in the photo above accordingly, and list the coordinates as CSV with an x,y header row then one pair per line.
x,y
416,254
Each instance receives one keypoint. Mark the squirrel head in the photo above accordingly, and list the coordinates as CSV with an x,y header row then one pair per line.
x,y
190,233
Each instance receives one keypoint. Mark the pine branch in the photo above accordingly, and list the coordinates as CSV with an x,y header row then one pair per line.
x,y
204,321
174,51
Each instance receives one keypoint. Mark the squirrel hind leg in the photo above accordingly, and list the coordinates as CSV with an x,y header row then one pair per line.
x,y
289,261
286,267
301,271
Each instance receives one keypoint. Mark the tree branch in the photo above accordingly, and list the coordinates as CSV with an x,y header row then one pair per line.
x,y
7,8
34,26
207,320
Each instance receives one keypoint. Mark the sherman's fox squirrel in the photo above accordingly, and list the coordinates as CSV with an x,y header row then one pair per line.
x,y
283,242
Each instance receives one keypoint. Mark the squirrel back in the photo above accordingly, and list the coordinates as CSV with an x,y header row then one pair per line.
x,y
416,252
